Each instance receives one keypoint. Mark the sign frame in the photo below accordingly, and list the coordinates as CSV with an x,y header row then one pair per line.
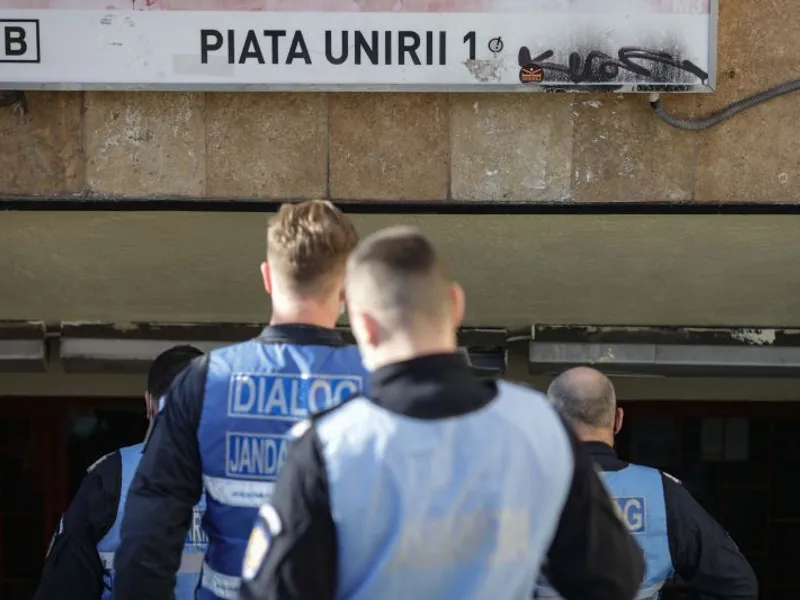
x,y
556,75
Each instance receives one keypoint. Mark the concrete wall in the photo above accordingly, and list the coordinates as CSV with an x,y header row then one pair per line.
x,y
425,147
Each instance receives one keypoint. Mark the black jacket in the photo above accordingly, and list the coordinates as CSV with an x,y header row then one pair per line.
x,y
703,554
72,569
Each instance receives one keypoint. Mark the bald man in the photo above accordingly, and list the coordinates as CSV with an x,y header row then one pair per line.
x,y
676,534
436,486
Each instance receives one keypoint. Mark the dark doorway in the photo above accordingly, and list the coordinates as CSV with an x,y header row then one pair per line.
x,y
741,461
45,448
32,490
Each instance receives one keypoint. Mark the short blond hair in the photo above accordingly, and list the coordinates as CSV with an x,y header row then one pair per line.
x,y
308,244
397,274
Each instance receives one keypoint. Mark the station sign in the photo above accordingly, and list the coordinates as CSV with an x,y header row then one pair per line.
x,y
359,45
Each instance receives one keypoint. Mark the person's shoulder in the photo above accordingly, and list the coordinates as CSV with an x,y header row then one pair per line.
x,y
107,462
303,427
350,359
677,499
351,350
671,479
222,356
668,479
676,496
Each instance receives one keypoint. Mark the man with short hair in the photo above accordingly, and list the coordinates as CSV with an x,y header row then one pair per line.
x,y
226,419
79,562
433,486
676,534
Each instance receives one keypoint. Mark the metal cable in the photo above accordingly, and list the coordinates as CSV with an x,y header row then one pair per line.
x,y
726,113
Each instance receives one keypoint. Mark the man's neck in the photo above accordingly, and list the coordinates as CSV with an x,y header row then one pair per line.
x,y
587,434
300,313
301,320
406,350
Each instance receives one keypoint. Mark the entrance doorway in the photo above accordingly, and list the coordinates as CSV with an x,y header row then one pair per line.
x,y
45,449
32,492
741,461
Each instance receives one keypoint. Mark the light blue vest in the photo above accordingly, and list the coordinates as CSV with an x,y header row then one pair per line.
x,y
638,493
195,545
461,508
255,392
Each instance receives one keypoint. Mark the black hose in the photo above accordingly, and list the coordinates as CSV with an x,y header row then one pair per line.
x,y
727,112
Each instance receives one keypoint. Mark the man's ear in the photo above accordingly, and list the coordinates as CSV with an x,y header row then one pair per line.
x,y
148,405
618,418
367,329
266,275
459,302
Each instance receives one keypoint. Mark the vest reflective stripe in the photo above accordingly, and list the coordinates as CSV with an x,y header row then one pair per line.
x,y
129,461
244,494
188,574
433,528
222,586
255,392
190,563
638,493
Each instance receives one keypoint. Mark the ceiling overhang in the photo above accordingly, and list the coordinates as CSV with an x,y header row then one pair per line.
x,y
617,269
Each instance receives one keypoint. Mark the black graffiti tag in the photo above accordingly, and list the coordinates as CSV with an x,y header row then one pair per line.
x,y
599,67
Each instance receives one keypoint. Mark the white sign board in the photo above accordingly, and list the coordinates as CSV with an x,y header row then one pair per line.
x,y
423,45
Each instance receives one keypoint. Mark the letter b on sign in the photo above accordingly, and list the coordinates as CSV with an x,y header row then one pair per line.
x,y
20,41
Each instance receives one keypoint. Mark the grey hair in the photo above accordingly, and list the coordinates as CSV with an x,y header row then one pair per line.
x,y
584,396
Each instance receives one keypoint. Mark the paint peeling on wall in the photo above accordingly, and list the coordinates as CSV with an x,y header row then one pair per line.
x,y
755,337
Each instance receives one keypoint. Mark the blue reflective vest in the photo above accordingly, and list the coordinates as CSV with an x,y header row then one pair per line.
x,y
638,494
461,508
188,575
255,392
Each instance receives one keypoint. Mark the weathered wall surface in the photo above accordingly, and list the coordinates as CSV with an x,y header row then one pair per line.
x,y
500,148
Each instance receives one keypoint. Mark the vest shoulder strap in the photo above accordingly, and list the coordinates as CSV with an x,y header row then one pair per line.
x,y
672,477
94,465
326,411
641,469
300,428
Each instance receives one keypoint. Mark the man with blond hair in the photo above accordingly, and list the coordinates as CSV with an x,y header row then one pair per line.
x,y
433,485
227,417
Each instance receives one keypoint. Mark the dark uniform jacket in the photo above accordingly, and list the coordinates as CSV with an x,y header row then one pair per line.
x,y
73,570
703,554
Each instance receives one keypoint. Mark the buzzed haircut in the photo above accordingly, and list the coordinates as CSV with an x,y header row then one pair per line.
x,y
167,366
584,396
397,273
308,244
